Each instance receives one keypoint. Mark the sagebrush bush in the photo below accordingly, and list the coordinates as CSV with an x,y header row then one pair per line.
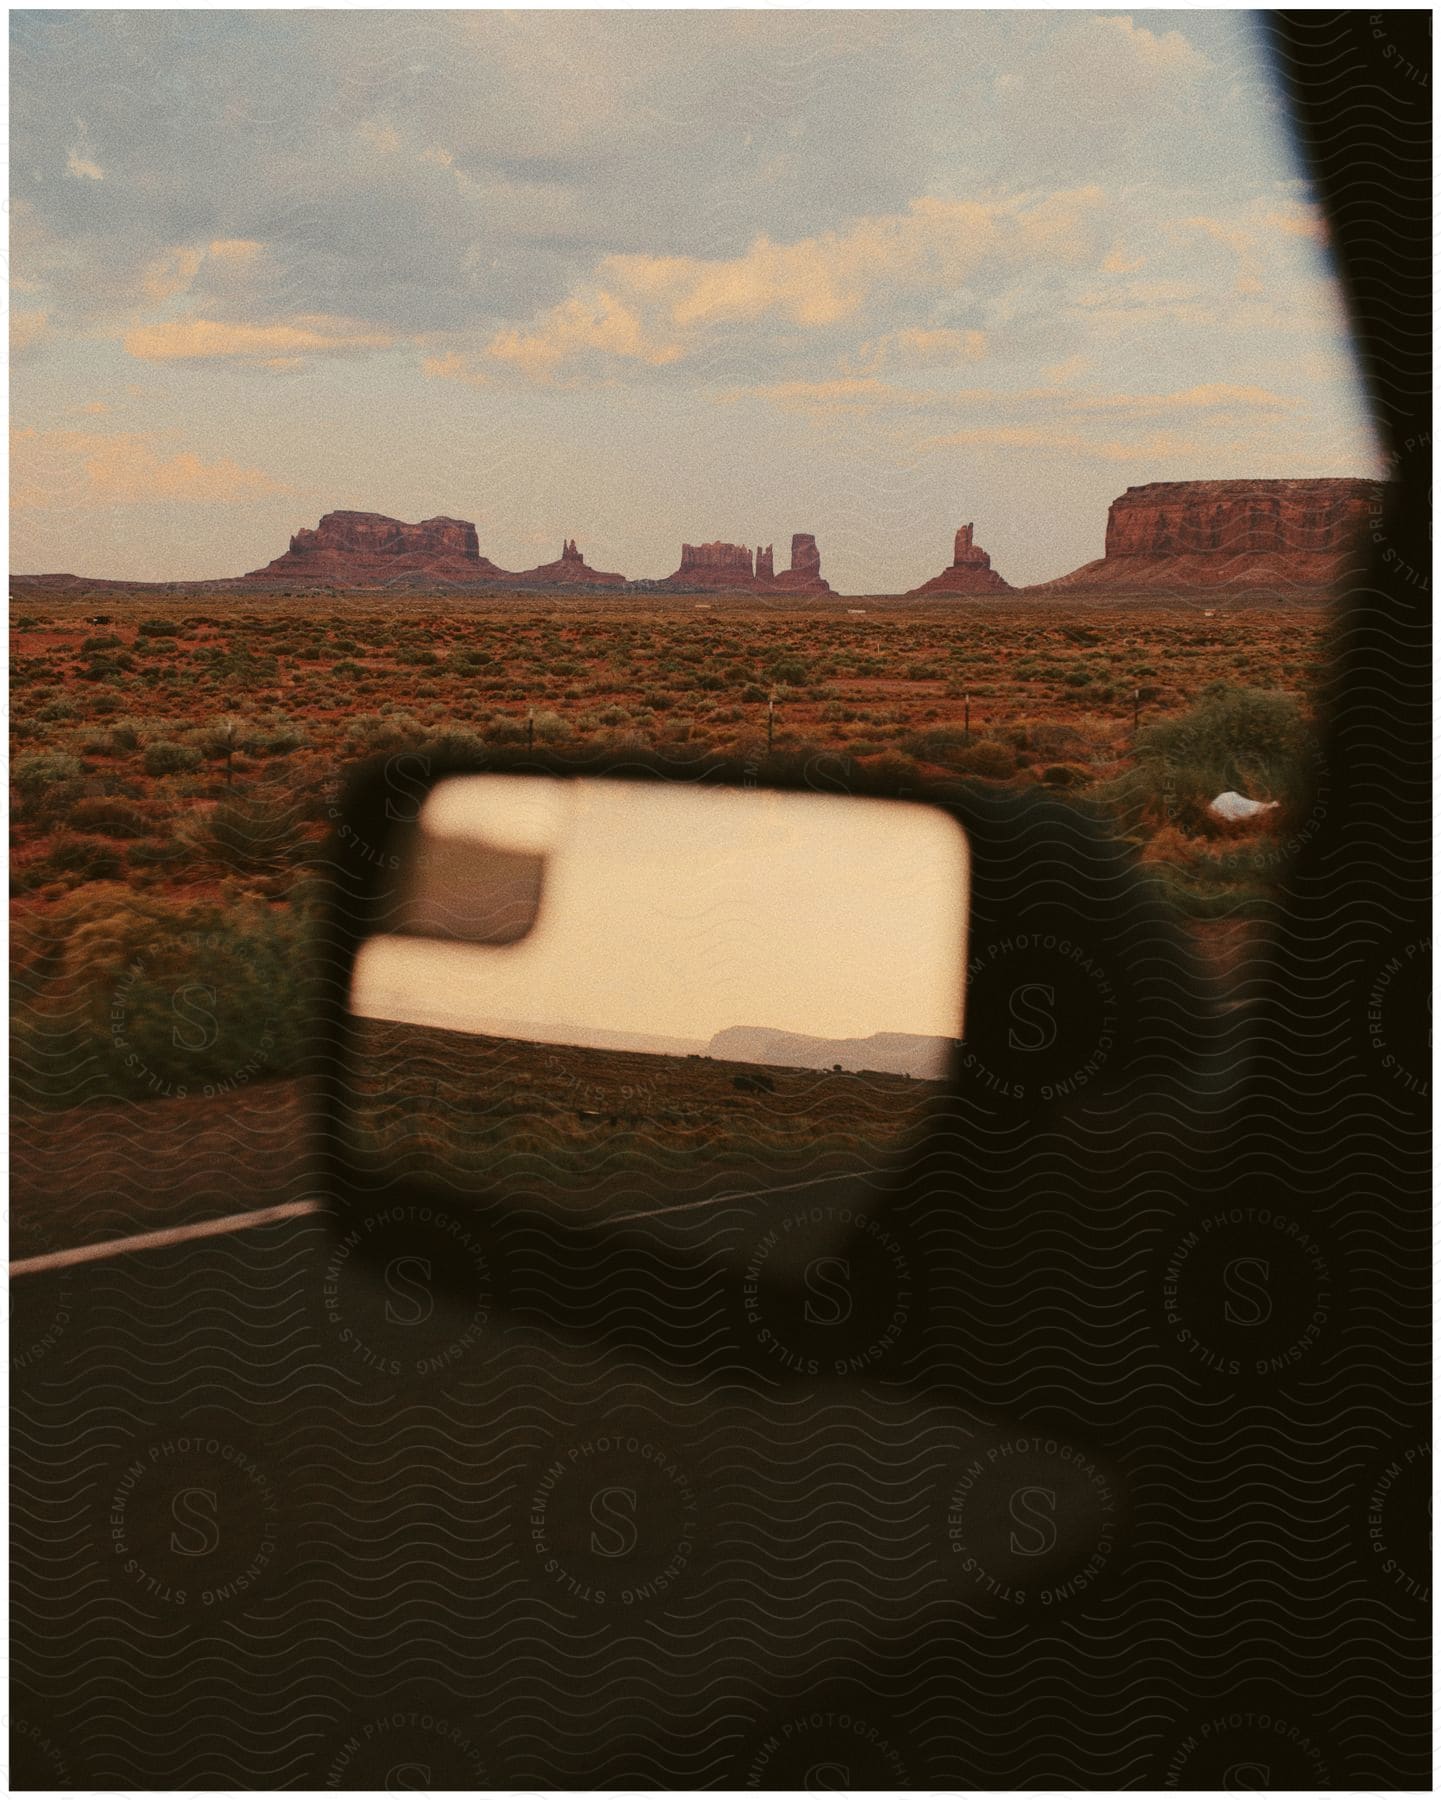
x,y
254,834
110,816
90,857
1253,740
166,758
989,760
121,993
40,769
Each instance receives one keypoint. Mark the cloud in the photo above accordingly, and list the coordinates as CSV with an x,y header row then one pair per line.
x,y
850,393
235,250
27,328
1117,262
1251,235
1209,397
919,346
273,346
1159,445
1033,410
1128,56
598,326
381,137
170,273
455,365
659,309
121,469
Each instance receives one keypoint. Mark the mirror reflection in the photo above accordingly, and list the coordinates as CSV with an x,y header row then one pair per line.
x,y
627,981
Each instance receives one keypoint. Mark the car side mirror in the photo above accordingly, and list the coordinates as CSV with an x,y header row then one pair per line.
x,y
608,996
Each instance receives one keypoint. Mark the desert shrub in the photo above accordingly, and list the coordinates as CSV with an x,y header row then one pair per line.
x,y
989,760
755,694
375,732
41,769
1065,775
110,816
166,758
1046,738
1254,740
121,993
106,668
156,628
943,745
239,667
456,741
1199,891
89,857
789,671
155,853
550,727
105,641
254,834
279,738
347,671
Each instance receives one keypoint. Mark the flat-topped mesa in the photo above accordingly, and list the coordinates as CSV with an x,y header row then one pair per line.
x,y
1263,535
1224,518
358,549
363,550
723,562
970,571
372,534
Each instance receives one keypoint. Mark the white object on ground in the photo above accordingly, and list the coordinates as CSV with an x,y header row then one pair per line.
x,y
1232,805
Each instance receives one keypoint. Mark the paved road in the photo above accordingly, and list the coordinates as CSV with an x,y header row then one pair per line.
x,y
264,1500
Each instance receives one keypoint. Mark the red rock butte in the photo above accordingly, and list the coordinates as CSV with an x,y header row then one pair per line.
x,y
1268,538
707,568
1264,535
970,571
355,549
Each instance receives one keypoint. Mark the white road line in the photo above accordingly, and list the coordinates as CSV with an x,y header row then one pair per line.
x,y
155,1240
656,1212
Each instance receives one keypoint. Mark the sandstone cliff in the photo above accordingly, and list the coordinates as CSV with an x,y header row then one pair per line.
x,y
804,574
360,550
970,571
1248,537
713,567
356,549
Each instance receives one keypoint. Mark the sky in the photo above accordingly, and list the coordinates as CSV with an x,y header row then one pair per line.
x,y
674,912
641,278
